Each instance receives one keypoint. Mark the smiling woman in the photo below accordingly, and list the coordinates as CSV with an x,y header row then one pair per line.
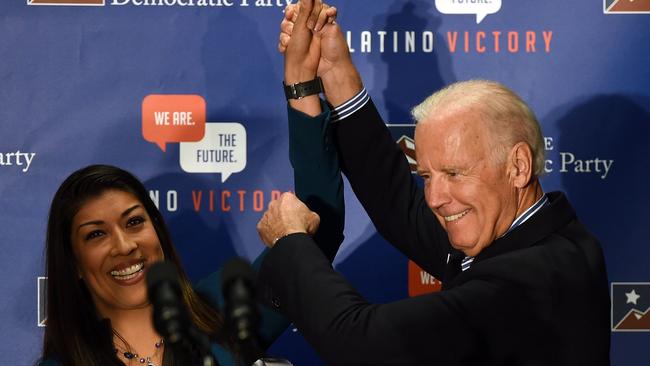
x,y
104,232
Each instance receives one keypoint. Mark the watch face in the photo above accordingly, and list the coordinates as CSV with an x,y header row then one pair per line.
x,y
290,91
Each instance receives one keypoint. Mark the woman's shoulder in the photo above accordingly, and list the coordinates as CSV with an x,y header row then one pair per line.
x,y
48,362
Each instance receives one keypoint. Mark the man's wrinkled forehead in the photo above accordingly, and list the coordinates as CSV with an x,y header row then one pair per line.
x,y
453,122
451,135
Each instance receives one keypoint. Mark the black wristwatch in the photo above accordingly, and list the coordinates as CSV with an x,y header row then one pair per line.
x,y
301,90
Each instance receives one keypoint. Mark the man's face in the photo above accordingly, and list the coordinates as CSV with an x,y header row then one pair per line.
x,y
470,193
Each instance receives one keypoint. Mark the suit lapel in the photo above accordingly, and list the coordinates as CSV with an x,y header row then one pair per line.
x,y
547,220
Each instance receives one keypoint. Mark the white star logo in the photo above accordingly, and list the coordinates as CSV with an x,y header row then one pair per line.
x,y
632,297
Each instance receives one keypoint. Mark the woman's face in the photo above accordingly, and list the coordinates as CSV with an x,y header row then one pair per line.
x,y
115,242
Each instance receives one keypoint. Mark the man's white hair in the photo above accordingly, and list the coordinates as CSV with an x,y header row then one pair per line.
x,y
507,116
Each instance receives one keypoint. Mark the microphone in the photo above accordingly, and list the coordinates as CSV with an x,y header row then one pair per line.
x,y
241,316
170,317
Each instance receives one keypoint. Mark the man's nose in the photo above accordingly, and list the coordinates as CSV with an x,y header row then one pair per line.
x,y
437,192
123,244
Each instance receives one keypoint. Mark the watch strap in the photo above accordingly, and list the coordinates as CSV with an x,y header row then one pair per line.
x,y
301,90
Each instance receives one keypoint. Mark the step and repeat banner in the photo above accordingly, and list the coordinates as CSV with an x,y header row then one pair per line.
x,y
187,94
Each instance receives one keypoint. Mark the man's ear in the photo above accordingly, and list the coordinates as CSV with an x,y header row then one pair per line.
x,y
520,164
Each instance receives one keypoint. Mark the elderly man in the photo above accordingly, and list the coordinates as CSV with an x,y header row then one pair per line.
x,y
524,282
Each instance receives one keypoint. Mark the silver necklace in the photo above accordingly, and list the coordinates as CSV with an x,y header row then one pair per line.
x,y
145,360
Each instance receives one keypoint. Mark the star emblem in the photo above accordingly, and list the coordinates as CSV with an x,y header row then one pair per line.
x,y
632,297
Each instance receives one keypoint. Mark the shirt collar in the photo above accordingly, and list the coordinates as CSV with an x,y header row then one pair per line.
x,y
530,211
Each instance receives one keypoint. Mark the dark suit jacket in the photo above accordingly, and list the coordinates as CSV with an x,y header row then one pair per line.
x,y
537,296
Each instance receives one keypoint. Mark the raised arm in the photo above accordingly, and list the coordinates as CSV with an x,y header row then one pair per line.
x,y
316,171
377,169
317,175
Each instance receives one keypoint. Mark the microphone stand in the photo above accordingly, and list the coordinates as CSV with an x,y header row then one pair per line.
x,y
203,344
250,351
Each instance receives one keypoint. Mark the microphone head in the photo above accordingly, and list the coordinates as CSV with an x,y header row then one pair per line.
x,y
164,291
160,272
240,308
237,269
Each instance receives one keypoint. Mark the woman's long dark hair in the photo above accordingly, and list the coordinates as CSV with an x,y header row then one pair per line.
x,y
72,336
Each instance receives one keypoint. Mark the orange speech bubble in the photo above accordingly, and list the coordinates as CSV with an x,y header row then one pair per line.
x,y
420,282
173,118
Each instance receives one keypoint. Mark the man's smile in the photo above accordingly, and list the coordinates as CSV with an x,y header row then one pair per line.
x,y
456,216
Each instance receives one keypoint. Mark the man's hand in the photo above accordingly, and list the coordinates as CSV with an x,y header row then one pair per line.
x,y
334,65
286,215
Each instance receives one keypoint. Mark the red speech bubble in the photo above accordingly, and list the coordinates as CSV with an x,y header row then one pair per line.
x,y
420,282
173,118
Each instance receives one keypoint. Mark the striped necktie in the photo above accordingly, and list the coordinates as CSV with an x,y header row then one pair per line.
x,y
466,262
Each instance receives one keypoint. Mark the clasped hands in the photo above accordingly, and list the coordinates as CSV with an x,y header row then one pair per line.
x,y
313,45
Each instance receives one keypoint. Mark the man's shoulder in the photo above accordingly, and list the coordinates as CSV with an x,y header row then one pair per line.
x,y
572,252
572,232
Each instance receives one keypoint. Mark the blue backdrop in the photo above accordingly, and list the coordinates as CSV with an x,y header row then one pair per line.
x,y
74,77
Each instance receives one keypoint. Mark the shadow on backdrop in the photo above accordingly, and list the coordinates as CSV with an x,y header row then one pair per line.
x,y
239,74
612,204
406,78
613,127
